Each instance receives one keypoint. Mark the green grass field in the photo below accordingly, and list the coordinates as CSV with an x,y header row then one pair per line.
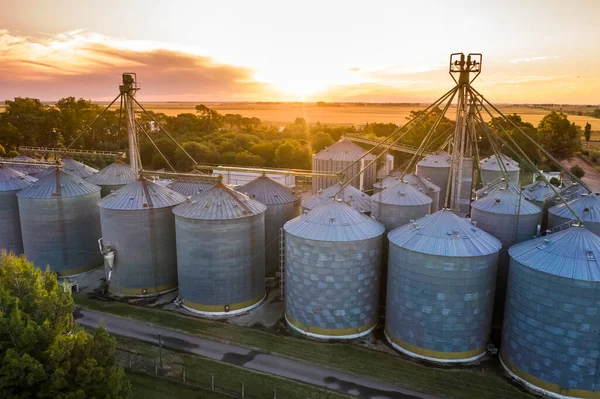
x,y
148,387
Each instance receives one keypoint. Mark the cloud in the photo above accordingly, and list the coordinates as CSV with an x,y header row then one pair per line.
x,y
530,59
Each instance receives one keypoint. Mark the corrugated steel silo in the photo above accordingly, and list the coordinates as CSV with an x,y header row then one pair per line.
x,y
282,205
542,196
587,207
138,223
37,171
60,223
220,252
426,187
189,188
550,338
385,183
501,183
11,181
350,195
436,168
338,157
113,177
440,292
77,168
332,272
491,170
399,204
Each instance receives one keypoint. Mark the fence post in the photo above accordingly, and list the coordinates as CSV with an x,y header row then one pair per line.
x,y
129,360
183,374
242,389
156,367
160,350
274,394
212,382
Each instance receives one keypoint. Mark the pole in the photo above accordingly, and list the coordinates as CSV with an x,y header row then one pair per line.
x,y
160,357
212,382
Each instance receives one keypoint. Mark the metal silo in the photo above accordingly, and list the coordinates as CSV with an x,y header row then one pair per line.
x,y
542,196
426,187
399,204
332,272
60,223
587,207
500,183
436,168
11,181
385,183
350,195
220,252
550,339
282,205
77,168
440,292
139,226
189,188
491,170
113,177
338,157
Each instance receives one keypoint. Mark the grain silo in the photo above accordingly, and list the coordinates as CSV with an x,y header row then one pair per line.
x,y
77,168
339,156
587,207
113,177
350,195
189,188
436,168
11,181
550,339
60,223
491,169
385,183
399,204
332,272
542,195
282,205
32,170
501,183
220,252
138,224
440,292
426,187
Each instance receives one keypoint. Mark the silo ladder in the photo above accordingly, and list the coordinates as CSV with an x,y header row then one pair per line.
x,y
281,264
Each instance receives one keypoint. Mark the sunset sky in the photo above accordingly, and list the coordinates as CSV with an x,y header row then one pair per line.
x,y
534,51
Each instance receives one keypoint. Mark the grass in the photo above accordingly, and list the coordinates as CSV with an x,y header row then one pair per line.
x,y
148,387
485,381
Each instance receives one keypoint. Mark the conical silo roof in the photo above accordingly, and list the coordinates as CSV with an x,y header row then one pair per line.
x,y
587,207
267,191
116,174
401,193
539,190
139,195
77,168
444,234
12,180
571,253
350,195
190,188
501,184
420,182
58,184
334,221
221,202
491,163
506,202
343,150
439,160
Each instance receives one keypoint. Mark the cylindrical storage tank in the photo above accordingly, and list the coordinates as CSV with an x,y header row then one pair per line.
x,y
491,170
399,204
440,292
436,169
541,194
587,207
11,181
220,252
113,177
337,157
138,224
190,188
550,341
510,218
426,187
77,168
332,272
501,183
31,170
60,223
385,183
282,205
350,195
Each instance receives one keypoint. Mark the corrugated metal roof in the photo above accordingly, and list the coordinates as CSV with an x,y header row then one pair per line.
x,y
334,221
420,182
12,180
491,163
343,150
267,191
221,202
386,182
506,202
439,160
500,183
539,190
401,194
444,234
190,188
58,184
139,195
587,207
572,253
115,174
77,168
351,195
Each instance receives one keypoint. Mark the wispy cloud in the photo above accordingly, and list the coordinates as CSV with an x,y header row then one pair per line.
x,y
531,59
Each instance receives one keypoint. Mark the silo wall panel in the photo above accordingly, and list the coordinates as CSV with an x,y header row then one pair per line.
x,y
555,220
10,224
62,233
146,260
440,307
275,217
221,262
392,216
332,288
550,335
435,200
331,166
488,175
439,177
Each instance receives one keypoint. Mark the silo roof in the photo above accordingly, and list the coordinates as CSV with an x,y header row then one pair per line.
x,y
444,234
573,253
439,160
506,202
190,188
267,191
387,181
500,183
351,195
12,180
491,163
139,195
334,221
587,207
221,202
343,150
539,190
58,184
420,182
77,168
116,174
401,193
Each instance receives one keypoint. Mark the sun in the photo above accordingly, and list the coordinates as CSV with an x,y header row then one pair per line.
x,y
295,85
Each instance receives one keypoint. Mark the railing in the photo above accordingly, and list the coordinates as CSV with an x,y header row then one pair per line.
x,y
396,147
281,264
287,172
51,150
41,164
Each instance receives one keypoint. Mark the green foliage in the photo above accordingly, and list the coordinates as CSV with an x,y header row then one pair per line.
x,y
293,154
2,151
512,129
559,136
596,113
43,353
320,140
587,132
555,182
577,171
12,154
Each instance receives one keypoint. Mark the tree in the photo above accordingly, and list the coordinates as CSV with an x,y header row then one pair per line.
x,y
292,154
2,151
587,132
320,140
577,171
558,136
43,352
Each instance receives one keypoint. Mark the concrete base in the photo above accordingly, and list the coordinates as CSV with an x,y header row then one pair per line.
x,y
220,315
329,337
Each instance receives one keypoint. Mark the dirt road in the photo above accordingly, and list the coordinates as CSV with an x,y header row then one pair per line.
x,y
592,176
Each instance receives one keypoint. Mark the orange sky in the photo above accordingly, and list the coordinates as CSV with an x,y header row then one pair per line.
x,y
534,51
